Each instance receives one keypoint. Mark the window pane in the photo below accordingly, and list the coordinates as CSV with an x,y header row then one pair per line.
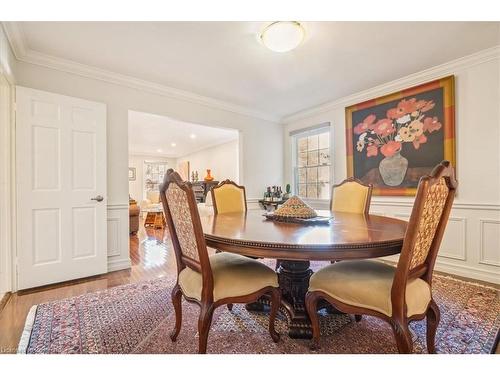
x,y
312,142
302,190
324,156
302,173
324,190
302,144
313,161
302,159
324,140
312,175
312,157
324,174
312,191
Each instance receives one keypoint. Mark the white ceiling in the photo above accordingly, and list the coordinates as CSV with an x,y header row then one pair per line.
x,y
224,60
153,135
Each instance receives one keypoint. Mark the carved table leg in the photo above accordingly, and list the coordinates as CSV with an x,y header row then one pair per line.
x,y
293,278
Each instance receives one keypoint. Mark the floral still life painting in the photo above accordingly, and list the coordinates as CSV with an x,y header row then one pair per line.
x,y
394,140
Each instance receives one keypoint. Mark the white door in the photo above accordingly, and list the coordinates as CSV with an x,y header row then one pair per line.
x,y
61,187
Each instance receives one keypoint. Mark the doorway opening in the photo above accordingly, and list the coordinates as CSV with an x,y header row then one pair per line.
x,y
201,154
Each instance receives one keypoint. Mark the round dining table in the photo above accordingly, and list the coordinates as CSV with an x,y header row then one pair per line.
x,y
345,236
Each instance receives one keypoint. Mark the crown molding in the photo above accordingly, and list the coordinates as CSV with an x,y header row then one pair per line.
x,y
23,53
414,79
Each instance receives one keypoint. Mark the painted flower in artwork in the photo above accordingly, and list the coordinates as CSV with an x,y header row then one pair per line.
x,y
390,148
405,123
366,125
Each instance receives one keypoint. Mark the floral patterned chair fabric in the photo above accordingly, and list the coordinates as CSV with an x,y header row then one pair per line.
x,y
183,222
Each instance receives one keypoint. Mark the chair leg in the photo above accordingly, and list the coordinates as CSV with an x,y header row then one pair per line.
x,y
230,306
177,302
275,305
204,323
357,318
403,338
433,317
312,307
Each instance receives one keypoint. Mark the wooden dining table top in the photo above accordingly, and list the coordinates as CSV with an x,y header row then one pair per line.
x,y
346,236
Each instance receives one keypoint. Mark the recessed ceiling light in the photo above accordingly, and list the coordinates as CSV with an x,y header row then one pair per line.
x,y
159,150
173,144
282,36
192,136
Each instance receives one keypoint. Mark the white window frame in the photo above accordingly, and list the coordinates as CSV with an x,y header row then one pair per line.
x,y
294,136
144,167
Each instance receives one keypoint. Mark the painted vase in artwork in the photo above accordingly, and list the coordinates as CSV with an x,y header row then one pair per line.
x,y
393,169
208,177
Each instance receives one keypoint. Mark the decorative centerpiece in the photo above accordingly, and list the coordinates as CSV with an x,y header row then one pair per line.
x,y
295,207
294,210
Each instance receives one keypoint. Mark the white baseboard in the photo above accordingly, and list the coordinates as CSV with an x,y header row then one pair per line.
x,y
118,264
468,271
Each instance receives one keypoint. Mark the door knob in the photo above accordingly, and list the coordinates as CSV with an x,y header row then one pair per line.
x,y
99,198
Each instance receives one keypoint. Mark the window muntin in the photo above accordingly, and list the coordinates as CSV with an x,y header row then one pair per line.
x,y
153,175
312,163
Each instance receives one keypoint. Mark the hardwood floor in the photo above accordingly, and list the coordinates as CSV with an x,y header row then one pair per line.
x,y
150,255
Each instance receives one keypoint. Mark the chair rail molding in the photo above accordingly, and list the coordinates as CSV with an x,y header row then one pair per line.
x,y
23,53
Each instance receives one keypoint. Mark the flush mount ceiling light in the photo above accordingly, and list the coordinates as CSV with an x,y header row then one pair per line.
x,y
282,36
173,144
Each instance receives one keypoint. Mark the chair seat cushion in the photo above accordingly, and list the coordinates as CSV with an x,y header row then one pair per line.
x,y
234,275
368,283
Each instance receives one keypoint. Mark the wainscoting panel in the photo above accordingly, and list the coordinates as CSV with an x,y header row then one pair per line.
x,y
118,237
489,242
454,242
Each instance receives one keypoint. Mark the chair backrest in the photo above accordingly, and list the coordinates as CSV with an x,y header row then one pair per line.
x,y
351,195
183,221
228,197
431,210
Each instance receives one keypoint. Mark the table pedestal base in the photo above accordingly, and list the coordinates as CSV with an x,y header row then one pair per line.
x,y
293,279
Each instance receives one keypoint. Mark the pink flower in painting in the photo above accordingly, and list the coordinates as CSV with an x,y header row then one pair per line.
x,y
371,150
428,106
365,125
384,127
403,108
431,124
419,140
390,148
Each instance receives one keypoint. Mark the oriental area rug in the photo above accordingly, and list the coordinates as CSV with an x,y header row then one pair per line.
x,y
137,318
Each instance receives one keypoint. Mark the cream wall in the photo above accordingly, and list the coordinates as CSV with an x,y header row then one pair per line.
x,y
136,188
471,247
259,168
7,81
221,159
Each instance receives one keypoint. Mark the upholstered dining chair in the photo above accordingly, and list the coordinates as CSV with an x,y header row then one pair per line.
x,y
351,195
398,294
228,197
209,281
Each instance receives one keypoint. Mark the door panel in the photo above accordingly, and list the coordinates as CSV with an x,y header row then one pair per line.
x,y
60,167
